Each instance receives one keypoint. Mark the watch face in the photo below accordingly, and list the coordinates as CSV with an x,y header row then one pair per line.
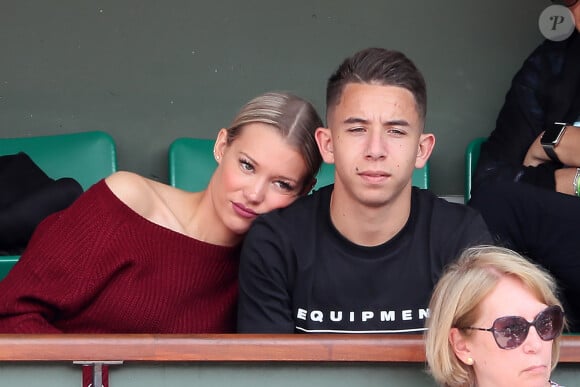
x,y
552,134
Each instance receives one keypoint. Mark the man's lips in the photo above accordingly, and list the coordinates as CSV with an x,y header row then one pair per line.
x,y
374,176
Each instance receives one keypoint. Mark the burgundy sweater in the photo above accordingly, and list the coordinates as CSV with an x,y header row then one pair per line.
x,y
99,267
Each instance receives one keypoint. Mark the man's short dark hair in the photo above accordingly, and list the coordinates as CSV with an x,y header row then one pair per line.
x,y
378,66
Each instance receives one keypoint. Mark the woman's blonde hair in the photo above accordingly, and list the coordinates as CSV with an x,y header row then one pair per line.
x,y
455,301
295,118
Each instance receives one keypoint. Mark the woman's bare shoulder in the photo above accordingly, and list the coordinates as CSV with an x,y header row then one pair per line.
x,y
125,183
134,190
158,202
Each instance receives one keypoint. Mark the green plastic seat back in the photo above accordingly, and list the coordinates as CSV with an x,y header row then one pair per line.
x,y
6,263
471,158
326,176
421,177
87,157
191,163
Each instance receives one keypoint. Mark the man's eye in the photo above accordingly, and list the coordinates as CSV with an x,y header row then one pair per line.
x,y
396,132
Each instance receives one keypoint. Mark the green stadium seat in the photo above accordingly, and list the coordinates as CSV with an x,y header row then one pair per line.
x,y
191,163
471,157
87,157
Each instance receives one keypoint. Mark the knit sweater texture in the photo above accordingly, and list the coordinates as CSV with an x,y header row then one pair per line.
x,y
99,267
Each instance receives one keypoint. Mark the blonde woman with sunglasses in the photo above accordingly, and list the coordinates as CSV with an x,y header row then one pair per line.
x,y
495,321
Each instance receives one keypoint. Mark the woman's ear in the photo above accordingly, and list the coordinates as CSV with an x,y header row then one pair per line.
x,y
220,145
460,346
324,140
424,149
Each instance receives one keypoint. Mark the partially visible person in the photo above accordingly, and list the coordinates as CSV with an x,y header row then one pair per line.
x,y
361,255
28,195
133,255
494,321
528,192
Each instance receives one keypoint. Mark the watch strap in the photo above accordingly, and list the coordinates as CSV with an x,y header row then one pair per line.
x,y
549,149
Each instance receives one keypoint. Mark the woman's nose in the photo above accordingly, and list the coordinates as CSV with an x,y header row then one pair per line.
x,y
256,192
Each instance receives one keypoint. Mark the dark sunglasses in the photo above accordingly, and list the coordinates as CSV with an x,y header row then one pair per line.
x,y
511,331
565,3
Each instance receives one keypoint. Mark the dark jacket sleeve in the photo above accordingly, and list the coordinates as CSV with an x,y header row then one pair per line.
x,y
521,119
265,303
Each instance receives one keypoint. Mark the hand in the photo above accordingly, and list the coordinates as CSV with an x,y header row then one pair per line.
x,y
536,154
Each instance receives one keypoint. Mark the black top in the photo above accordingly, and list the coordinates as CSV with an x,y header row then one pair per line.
x,y
299,274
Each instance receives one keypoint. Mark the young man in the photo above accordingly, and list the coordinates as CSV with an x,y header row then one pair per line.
x,y
364,254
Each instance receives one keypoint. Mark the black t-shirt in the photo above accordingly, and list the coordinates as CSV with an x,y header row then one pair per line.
x,y
299,274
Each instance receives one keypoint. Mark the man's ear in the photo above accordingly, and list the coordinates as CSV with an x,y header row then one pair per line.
x,y
324,140
220,145
460,346
424,149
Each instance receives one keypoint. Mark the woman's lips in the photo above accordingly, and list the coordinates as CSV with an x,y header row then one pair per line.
x,y
243,211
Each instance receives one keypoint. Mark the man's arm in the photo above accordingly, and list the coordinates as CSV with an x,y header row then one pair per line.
x,y
568,149
265,303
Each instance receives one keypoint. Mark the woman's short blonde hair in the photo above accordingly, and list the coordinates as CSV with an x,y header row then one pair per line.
x,y
455,301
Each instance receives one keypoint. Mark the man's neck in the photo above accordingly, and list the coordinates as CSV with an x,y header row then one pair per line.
x,y
369,226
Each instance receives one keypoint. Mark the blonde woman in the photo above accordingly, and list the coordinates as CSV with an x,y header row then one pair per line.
x,y
133,255
494,321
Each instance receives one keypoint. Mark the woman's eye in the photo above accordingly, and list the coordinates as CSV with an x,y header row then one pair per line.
x,y
544,325
515,329
246,165
285,186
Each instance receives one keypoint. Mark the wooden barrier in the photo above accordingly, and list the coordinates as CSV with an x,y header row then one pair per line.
x,y
231,348
234,347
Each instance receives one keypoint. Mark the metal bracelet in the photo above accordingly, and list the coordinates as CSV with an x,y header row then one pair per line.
x,y
576,182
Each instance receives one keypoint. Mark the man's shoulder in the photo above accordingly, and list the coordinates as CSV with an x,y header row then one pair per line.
x,y
445,221
303,209
428,198
429,203
550,47
544,62
300,222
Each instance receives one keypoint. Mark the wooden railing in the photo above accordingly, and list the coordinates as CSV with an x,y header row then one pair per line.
x,y
102,349
229,347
